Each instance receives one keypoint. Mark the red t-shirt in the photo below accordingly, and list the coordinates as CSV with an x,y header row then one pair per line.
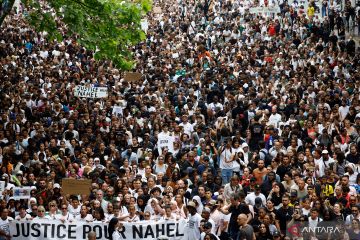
x,y
272,31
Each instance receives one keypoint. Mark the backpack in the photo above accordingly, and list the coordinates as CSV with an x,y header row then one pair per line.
x,y
267,158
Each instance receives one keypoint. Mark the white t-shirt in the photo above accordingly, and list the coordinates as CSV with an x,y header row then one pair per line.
x,y
193,226
5,224
74,211
116,235
67,218
19,218
274,119
188,127
42,218
314,223
88,218
236,165
226,155
250,198
108,216
343,111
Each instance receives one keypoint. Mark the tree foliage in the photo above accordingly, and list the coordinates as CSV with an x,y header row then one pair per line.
x,y
110,27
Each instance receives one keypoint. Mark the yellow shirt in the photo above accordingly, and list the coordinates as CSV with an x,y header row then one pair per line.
x,y
328,190
311,11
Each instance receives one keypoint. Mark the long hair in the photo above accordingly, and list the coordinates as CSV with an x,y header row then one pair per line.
x,y
112,224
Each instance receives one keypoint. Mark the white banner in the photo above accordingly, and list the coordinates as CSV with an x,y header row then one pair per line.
x,y
54,229
264,10
2,188
90,92
117,111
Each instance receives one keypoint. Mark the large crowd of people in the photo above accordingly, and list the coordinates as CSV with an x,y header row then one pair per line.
x,y
258,99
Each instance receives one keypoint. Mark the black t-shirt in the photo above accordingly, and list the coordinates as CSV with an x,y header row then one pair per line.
x,y
257,131
335,199
353,159
271,211
235,212
188,164
283,216
282,170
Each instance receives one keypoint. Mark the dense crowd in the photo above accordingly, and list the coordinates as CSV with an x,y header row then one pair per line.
x,y
261,109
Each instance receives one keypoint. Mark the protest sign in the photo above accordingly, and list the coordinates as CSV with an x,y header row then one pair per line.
x,y
117,111
2,186
264,10
43,229
90,92
144,25
132,76
75,186
21,193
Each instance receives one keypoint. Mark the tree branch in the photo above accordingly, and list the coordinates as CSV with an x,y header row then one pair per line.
x,y
87,6
6,7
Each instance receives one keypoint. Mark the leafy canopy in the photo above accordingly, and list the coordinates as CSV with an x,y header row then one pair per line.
x,y
110,27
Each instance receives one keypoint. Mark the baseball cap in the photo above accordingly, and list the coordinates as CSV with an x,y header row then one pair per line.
x,y
56,185
206,209
325,152
191,204
276,234
244,145
293,193
212,202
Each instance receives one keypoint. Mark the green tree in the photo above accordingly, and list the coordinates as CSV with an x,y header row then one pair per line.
x,y
110,27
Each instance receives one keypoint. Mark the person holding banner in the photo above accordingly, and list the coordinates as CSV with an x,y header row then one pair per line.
x,y
213,75
84,215
23,215
114,226
41,213
169,215
5,221
65,216
53,210
133,217
153,206
99,215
